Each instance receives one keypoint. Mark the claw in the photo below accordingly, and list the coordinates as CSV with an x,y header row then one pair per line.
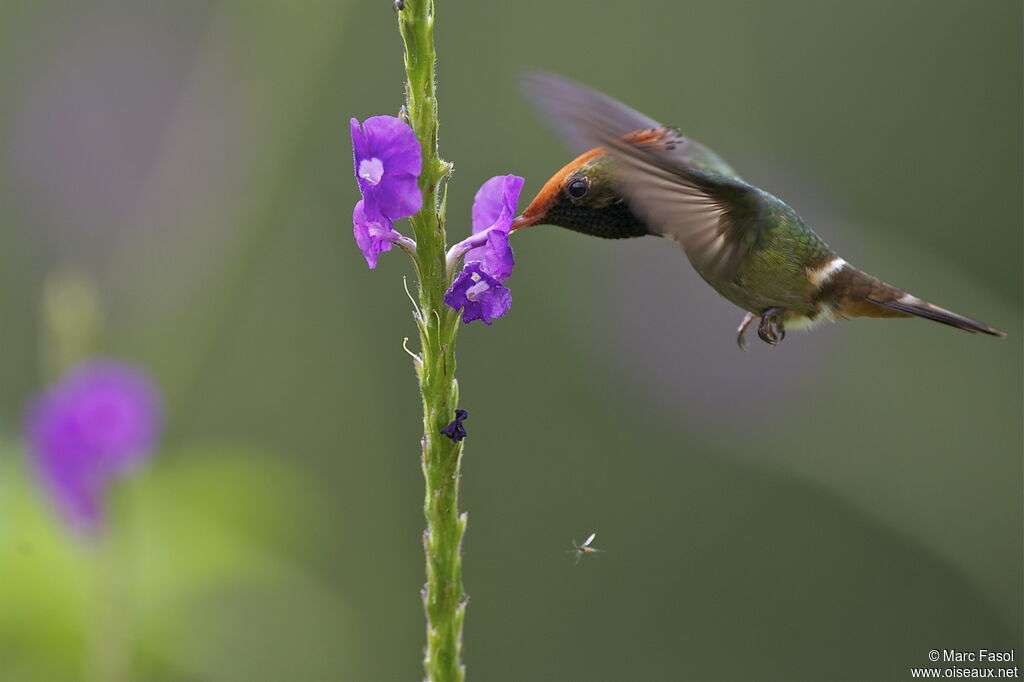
x,y
741,333
770,330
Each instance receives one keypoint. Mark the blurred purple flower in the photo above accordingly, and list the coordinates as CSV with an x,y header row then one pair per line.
x,y
98,424
388,162
480,296
477,290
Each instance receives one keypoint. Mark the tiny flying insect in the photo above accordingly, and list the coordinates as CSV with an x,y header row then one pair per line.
x,y
580,549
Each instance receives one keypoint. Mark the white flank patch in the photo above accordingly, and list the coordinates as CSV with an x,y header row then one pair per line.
x,y
825,314
825,272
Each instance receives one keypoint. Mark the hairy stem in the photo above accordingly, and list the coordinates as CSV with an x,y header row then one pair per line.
x,y
443,599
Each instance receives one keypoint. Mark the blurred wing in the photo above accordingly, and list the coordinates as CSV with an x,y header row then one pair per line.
x,y
555,97
715,218
558,98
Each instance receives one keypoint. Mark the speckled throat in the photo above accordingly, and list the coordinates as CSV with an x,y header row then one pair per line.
x,y
614,221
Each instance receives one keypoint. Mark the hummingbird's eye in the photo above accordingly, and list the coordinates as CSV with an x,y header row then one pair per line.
x,y
577,189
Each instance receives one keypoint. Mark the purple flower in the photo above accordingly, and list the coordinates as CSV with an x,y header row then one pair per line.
x,y
495,255
456,431
98,424
480,296
494,207
388,162
373,235
488,257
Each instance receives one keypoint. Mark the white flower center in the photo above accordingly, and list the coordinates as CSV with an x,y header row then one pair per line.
x,y
474,291
376,229
371,170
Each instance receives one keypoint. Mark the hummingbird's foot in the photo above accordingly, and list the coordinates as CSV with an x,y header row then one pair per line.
x,y
741,333
770,330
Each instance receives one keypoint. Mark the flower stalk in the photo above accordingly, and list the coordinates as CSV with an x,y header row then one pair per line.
x,y
400,175
443,598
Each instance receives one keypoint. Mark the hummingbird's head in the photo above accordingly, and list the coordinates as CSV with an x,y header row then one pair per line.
x,y
583,196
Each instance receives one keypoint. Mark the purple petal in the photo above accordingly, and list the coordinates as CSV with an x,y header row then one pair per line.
x,y
392,141
495,202
374,234
495,255
478,295
96,425
387,161
396,196
360,149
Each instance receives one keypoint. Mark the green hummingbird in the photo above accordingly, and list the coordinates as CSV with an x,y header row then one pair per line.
x,y
637,177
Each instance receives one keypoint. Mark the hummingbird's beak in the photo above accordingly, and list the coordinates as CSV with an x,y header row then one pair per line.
x,y
538,208
523,221
534,213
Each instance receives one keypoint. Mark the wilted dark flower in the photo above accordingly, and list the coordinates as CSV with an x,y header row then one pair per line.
x,y
456,431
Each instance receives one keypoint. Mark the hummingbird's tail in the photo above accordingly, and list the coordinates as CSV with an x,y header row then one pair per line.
x,y
868,296
912,305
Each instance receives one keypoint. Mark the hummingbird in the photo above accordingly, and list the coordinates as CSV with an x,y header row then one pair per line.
x,y
636,177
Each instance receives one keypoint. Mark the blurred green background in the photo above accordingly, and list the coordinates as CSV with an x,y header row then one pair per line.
x,y
830,509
